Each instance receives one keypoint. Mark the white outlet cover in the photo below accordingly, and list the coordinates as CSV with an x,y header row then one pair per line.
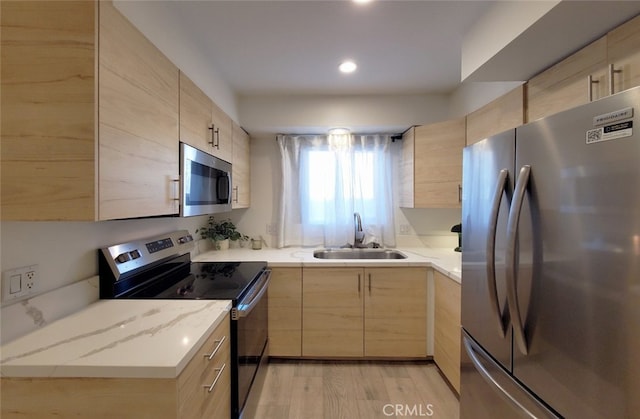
x,y
28,282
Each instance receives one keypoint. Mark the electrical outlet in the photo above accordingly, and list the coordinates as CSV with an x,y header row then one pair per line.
x,y
271,229
405,229
19,282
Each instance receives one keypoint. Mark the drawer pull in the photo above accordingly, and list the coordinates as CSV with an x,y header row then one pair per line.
x,y
215,380
217,348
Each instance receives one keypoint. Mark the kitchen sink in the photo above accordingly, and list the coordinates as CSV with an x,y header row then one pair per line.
x,y
358,254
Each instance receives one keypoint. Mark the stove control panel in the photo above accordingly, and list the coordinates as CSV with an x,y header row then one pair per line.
x,y
127,257
158,245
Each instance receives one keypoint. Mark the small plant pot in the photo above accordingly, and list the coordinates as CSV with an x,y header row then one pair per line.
x,y
221,245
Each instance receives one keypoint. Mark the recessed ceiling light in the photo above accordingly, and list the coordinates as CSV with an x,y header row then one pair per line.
x,y
361,1
348,67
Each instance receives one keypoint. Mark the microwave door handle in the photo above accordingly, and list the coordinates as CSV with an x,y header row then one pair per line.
x,y
511,262
243,308
502,322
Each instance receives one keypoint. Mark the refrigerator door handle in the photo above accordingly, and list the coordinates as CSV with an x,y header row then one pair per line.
x,y
502,322
511,265
503,384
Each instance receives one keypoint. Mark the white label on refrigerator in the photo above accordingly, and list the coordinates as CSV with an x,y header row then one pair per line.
x,y
610,132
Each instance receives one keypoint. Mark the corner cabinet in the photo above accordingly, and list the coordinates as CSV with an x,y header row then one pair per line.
x,y
89,115
364,312
447,334
432,167
241,172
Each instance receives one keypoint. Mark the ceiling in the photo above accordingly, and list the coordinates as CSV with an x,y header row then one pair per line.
x,y
295,47
283,48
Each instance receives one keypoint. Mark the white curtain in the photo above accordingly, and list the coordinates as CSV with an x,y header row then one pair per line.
x,y
328,178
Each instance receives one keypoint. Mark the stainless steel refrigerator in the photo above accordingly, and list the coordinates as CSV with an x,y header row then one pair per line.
x,y
551,267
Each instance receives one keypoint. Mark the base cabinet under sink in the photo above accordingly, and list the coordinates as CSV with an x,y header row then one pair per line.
x,y
348,312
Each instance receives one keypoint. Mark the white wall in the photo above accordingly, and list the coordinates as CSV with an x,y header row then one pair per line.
x,y
362,114
66,252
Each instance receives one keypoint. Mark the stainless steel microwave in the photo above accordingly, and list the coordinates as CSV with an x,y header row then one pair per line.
x,y
205,183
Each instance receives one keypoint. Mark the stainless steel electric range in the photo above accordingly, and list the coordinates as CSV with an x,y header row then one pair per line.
x,y
161,267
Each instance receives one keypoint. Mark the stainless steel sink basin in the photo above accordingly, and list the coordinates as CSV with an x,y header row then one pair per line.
x,y
358,254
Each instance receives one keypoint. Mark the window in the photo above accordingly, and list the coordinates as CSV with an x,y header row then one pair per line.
x,y
325,183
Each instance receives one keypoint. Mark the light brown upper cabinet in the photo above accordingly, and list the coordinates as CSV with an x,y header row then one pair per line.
x,y
569,83
196,126
223,134
609,65
203,124
499,115
436,155
76,146
241,172
623,54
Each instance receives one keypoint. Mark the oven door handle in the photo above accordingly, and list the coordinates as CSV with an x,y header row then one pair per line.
x,y
244,308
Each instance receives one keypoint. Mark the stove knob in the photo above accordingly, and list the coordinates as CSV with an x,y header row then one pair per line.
x,y
123,257
135,254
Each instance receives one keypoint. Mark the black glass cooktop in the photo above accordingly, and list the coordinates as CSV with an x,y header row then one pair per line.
x,y
204,280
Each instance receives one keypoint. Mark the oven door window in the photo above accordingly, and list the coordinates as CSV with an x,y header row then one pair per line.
x,y
205,185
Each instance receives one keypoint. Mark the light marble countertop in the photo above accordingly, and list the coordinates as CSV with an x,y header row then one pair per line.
x,y
116,338
444,260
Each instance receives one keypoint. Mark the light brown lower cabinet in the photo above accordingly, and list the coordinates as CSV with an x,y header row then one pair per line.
x,y
190,395
364,312
447,331
285,312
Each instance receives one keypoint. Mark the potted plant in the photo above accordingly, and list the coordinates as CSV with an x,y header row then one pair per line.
x,y
220,232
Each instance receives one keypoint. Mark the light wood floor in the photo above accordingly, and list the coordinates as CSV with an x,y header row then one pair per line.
x,y
355,390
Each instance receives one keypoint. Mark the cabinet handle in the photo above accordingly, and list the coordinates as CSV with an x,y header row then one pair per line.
x,y
358,285
612,73
176,187
459,193
215,137
213,353
215,380
590,83
369,284
235,189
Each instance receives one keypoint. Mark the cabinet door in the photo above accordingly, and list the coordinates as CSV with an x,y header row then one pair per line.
x,y
447,334
196,126
48,116
194,382
438,164
138,112
241,176
285,312
332,312
565,86
406,169
497,116
395,312
223,132
623,52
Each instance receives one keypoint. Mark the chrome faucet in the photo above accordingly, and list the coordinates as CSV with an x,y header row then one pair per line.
x,y
358,236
